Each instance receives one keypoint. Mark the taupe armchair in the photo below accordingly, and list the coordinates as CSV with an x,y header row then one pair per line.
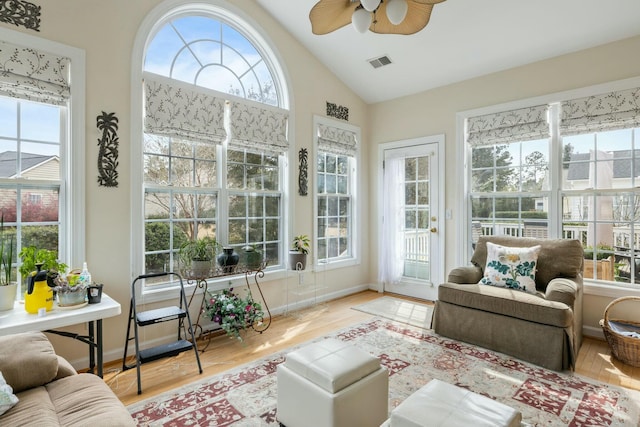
x,y
544,328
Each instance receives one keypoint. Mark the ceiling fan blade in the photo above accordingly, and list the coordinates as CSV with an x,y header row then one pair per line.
x,y
418,15
329,15
426,1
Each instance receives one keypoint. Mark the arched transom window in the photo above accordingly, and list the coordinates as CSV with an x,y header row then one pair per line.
x,y
207,52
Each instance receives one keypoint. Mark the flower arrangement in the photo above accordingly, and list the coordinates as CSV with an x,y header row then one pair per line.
x,y
232,312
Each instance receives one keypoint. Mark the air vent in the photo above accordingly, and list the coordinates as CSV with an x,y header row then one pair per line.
x,y
379,62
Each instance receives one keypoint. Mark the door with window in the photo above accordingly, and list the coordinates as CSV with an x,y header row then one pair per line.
x,y
411,252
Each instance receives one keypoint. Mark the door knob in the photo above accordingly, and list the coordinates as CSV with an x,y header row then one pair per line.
x,y
433,229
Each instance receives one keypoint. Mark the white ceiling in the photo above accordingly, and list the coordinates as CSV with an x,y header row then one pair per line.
x,y
464,39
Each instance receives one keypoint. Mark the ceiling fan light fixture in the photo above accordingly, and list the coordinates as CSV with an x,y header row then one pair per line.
x,y
402,17
370,5
397,11
361,20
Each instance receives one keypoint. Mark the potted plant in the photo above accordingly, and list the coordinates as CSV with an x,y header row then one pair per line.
x,y
8,288
252,257
298,252
233,313
69,290
197,255
31,255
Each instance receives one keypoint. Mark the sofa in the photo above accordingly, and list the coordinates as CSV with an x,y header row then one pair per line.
x,y
542,326
49,391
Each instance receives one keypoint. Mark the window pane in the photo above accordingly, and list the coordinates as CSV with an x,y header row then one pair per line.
x,y
157,205
39,205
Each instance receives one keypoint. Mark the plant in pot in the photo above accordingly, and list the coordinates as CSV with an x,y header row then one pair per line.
x,y
232,312
252,257
69,290
298,252
196,256
8,288
31,255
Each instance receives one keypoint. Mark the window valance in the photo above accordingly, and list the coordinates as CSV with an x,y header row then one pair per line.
x,y
524,124
605,112
33,75
183,111
257,128
336,140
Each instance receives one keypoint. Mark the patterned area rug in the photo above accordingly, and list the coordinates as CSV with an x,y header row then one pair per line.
x,y
246,396
403,311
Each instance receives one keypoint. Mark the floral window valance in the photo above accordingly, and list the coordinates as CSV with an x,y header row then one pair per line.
x,y
191,112
183,111
524,124
257,128
605,112
336,140
33,75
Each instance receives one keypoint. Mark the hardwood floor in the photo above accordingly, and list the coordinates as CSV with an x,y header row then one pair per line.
x,y
594,360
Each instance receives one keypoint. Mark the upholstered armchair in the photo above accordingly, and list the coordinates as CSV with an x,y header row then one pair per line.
x,y
542,326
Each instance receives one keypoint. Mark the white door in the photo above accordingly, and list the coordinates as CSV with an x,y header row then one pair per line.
x,y
411,253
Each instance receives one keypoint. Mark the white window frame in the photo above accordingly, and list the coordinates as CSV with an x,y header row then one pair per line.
x,y
72,147
463,155
356,208
236,17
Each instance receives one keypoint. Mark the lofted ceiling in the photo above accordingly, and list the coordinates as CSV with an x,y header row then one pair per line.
x,y
464,39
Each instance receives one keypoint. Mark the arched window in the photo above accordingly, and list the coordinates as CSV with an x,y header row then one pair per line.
x,y
207,52
214,138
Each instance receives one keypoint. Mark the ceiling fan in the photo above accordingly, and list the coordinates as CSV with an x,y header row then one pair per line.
x,y
379,16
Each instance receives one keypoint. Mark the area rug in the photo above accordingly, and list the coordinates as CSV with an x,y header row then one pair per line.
x,y
403,311
246,396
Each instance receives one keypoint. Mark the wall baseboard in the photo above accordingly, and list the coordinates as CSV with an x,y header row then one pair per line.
x,y
116,354
593,332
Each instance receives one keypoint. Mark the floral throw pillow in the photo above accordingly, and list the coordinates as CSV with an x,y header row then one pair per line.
x,y
513,268
7,398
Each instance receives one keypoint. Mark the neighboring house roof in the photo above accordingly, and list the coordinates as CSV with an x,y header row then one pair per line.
x,y
29,161
579,166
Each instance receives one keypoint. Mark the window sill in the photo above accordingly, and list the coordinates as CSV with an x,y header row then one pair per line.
x,y
603,290
350,262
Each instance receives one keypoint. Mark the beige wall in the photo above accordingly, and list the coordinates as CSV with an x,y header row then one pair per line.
x,y
434,112
106,31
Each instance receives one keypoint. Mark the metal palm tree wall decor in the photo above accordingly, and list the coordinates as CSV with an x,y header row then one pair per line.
x,y
108,152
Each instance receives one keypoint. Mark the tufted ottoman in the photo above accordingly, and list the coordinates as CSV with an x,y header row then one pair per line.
x,y
442,404
332,383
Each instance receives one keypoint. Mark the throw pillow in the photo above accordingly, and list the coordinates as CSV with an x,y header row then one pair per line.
x,y
7,398
513,268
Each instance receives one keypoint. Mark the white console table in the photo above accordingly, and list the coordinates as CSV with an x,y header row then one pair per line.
x,y
18,320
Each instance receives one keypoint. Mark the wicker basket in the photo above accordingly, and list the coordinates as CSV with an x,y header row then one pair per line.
x,y
623,336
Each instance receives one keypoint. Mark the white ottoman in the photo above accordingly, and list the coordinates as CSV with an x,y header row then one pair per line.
x,y
442,404
332,383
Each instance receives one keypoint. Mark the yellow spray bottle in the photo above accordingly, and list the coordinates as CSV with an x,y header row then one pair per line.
x,y
39,294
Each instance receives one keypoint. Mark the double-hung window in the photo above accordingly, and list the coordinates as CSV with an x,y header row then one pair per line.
x,y
567,169
39,201
336,153
509,185
215,140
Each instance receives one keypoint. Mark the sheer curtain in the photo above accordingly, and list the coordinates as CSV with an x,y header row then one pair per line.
x,y
392,253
